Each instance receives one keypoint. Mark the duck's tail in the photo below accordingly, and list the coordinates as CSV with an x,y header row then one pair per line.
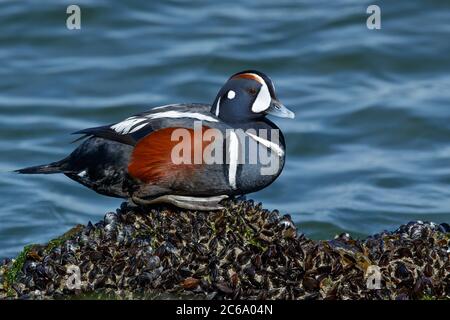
x,y
54,167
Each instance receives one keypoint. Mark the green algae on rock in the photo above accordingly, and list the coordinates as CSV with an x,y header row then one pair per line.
x,y
240,252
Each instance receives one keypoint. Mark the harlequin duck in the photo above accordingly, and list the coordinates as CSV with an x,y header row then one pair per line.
x,y
134,158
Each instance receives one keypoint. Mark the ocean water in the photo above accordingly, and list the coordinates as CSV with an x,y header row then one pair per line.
x,y
368,150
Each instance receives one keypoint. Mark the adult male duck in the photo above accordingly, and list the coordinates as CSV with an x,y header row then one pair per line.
x,y
134,158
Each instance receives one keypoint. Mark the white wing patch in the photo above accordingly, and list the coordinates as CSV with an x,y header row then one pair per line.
x,y
125,126
135,123
166,106
178,114
137,128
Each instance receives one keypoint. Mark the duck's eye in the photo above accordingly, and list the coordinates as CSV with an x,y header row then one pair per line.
x,y
231,94
252,91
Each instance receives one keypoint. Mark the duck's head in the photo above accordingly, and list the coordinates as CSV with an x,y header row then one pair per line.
x,y
248,96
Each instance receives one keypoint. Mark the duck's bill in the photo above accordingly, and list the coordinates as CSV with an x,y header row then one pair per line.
x,y
279,110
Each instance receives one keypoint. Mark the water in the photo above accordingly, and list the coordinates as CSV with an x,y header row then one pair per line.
x,y
369,147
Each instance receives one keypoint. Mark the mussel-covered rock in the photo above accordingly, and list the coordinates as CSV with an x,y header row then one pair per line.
x,y
240,252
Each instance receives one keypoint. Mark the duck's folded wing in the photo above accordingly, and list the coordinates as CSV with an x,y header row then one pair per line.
x,y
175,160
134,128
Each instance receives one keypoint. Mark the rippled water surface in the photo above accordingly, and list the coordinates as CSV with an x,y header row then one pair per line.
x,y
369,148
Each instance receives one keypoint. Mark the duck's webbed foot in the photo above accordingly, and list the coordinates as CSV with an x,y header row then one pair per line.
x,y
186,202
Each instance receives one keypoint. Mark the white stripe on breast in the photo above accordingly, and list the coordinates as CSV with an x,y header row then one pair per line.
x,y
268,144
233,150
126,126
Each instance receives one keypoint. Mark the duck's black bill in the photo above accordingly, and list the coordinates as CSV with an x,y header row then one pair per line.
x,y
279,110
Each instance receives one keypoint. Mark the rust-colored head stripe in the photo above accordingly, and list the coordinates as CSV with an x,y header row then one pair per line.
x,y
251,76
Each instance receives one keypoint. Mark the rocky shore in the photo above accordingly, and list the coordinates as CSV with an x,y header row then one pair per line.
x,y
241,252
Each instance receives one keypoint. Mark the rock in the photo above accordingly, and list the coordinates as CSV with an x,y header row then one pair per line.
x,y
240,252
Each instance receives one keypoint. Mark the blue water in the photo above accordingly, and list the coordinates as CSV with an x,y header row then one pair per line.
x,y
369,149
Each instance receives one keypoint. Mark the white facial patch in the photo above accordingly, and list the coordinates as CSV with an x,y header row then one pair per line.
x,y
231,94
263,99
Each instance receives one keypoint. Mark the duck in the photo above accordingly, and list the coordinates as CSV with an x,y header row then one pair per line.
x,y
160,156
